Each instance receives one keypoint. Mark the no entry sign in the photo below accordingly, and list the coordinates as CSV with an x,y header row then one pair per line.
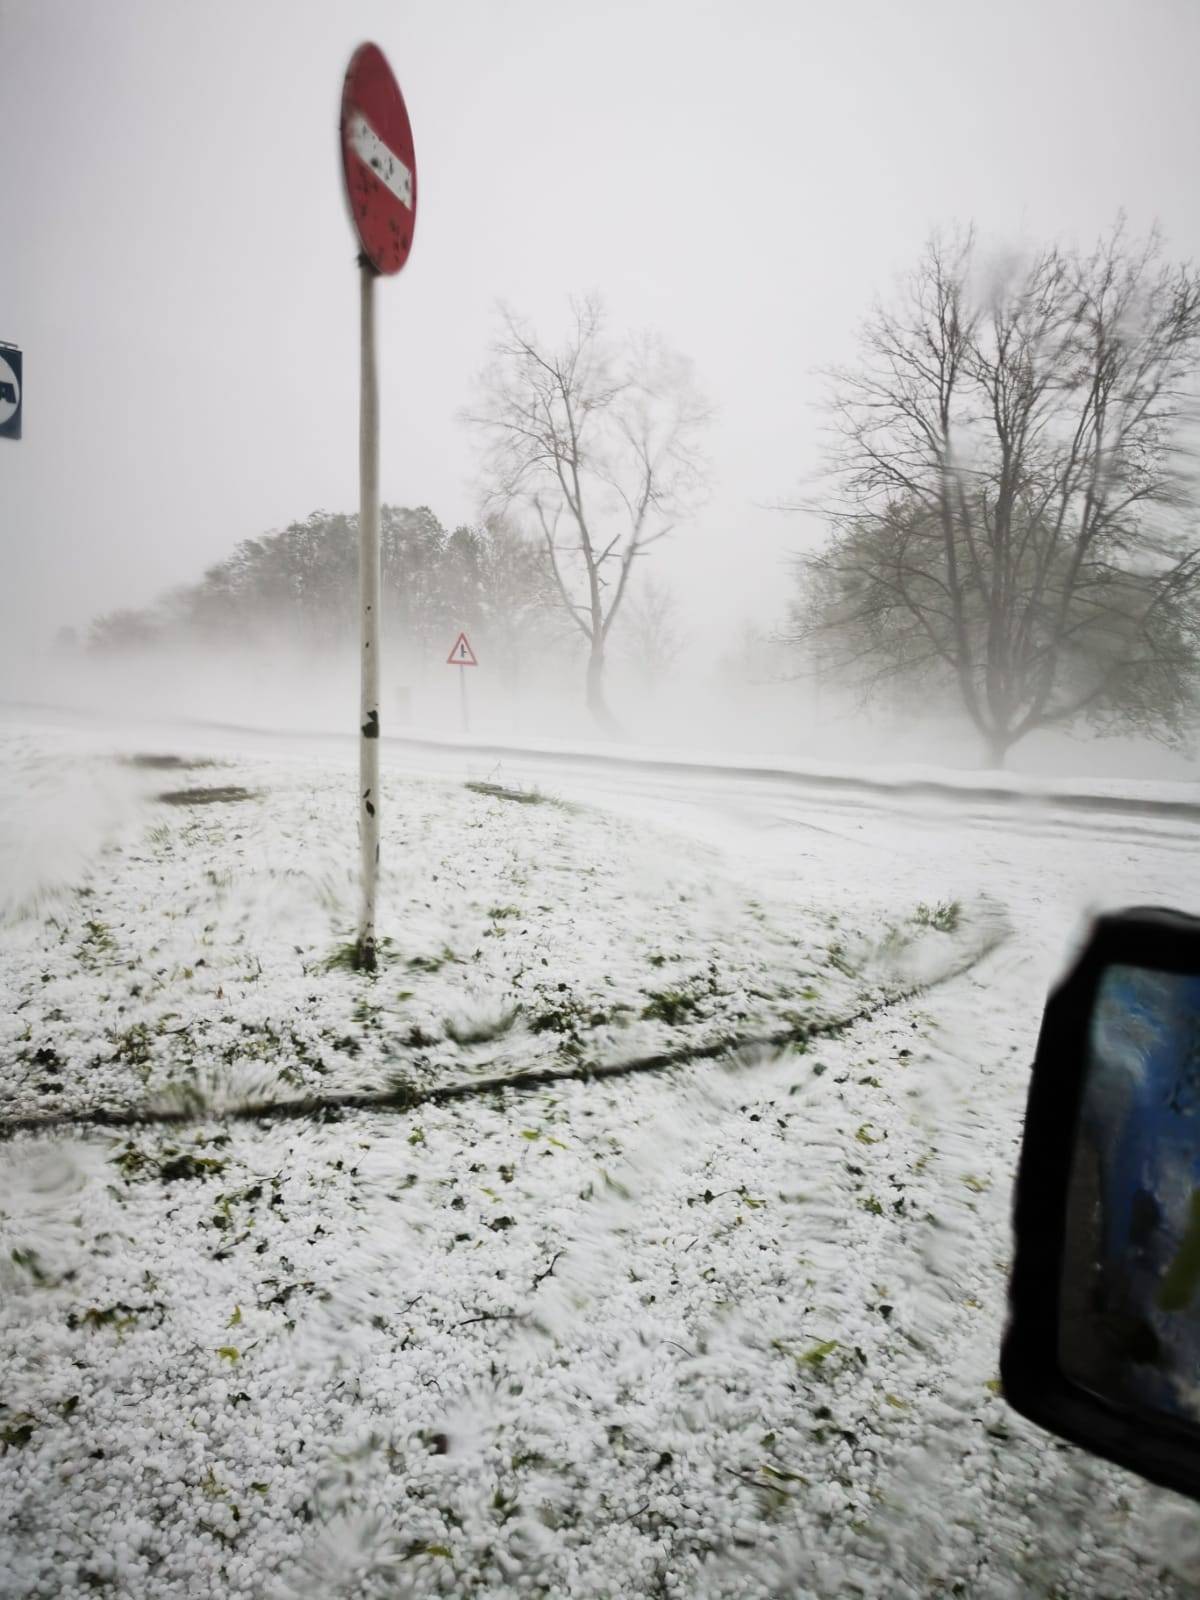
x,y
378,160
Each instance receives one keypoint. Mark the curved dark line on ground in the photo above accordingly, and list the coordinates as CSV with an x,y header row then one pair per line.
x,y
332,1107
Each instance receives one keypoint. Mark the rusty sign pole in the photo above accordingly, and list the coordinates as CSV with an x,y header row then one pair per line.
x,y
368,594
380,170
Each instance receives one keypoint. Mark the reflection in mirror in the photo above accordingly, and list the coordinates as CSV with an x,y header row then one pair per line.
x,y
1129,1298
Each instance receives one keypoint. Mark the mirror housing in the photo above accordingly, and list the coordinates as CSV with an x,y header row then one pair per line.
x,y
1103,1342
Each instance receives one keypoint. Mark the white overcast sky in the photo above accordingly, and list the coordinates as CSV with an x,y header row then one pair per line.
x,y
176,262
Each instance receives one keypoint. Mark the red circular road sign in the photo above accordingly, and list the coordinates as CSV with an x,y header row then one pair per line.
x,y
378,160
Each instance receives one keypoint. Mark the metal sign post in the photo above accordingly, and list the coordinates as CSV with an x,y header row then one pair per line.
x,y
462,657
381,187
368,597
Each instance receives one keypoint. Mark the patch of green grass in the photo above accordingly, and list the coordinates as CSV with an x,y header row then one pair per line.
x,y
131,1161
97,941
432,963
345,956
227,794
671,1006
134,1046
257,1043
187,1166
523,797
16,1434
945,916
46,1057
157,763
119,1317
400,1091
564,1014
837,956
569,1016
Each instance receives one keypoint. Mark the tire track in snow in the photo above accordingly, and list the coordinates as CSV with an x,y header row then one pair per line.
x,y
407,1098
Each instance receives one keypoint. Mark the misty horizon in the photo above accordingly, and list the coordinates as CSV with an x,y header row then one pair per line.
x,y
188,325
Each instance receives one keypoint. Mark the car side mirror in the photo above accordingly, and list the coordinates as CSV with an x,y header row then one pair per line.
x,y
1103,1342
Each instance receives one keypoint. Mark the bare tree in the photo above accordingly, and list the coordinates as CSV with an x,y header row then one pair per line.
x,y
1011,513
600,444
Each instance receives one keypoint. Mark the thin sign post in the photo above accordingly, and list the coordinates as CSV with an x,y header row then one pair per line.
x,y
462,657
368,609
381,187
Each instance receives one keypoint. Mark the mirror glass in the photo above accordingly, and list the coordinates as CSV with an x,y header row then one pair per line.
x,y
1129,1299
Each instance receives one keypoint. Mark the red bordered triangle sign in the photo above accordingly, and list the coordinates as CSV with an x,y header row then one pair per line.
x,y
462,655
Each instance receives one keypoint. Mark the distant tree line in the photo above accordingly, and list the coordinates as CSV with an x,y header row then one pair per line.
x,y
594,445
299,587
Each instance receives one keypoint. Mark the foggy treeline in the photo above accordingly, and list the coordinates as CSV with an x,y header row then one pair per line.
x,y
592,453
1007,522
299,589
296,591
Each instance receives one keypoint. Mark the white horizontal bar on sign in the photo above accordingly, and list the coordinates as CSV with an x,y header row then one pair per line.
x,y
384,163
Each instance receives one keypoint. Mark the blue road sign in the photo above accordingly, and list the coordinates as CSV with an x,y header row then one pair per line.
x,y
10,391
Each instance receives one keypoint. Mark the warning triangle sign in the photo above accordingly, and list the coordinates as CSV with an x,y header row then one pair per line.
x,y
462,655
